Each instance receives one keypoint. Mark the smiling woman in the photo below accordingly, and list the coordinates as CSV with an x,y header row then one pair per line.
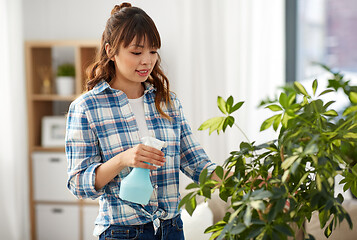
x,y
13,184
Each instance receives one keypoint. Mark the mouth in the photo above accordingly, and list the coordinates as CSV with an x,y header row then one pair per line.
x,y
143,73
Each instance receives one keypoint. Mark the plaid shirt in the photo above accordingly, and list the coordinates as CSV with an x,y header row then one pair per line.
x,y
100,125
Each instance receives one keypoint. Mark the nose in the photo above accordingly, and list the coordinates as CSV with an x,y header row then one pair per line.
x,y
146,59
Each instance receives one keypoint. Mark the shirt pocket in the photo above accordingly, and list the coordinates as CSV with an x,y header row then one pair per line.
x,y
172,139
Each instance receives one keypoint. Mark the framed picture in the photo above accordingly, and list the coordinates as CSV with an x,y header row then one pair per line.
x,y
53,131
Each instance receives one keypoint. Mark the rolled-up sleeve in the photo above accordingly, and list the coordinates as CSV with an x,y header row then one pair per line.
x,y
193,157
83,155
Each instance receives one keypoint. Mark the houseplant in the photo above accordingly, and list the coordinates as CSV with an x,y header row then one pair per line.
x,y
272,185
65,79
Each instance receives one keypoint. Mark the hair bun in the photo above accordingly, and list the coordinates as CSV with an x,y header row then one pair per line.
x,y
117,8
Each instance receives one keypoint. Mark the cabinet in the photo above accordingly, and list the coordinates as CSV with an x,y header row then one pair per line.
x,y
54,212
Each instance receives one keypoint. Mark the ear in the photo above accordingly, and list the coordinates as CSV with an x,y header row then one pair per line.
x,y
108,49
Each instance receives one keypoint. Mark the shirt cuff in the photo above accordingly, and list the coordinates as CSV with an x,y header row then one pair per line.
x,y
89,187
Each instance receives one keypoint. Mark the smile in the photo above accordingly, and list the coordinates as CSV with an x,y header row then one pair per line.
x,y
143,73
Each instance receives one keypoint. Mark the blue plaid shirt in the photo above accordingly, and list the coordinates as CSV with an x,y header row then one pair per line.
x,y
100,125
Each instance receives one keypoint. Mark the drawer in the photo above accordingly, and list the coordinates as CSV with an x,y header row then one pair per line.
x,y
90,213
50,177
57,222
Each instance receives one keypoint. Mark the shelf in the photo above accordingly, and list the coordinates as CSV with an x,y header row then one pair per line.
x,y
58,202
48,149
52,97
79,201
42,59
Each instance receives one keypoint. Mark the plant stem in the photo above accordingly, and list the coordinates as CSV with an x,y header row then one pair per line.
x,y
242,132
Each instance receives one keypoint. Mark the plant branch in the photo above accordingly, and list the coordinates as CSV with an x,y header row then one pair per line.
x,y
242,132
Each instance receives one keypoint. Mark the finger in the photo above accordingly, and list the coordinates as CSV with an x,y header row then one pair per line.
x,y
151,160
139,164
151,155
151,150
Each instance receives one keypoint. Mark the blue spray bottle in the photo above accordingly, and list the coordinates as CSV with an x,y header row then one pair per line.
x,y
136,186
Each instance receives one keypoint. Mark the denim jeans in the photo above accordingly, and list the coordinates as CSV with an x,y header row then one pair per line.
x,y
171,229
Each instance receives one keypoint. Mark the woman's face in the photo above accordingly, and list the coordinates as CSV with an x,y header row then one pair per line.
x,y
135,62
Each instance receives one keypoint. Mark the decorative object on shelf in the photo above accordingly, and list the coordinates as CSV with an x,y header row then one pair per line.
x,y
53,131
65,79
45,73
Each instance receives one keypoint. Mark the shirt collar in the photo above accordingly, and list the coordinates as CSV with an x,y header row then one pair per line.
x,y
103,85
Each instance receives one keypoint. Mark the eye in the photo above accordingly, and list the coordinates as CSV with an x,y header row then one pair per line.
x,y
153,52
136,53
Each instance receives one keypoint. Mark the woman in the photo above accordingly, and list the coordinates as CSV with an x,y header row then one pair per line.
x,y
128,98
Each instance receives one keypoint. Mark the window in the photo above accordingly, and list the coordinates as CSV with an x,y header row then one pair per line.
x,y
325,32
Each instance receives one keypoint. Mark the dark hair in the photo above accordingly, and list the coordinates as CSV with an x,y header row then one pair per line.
x,y
126,23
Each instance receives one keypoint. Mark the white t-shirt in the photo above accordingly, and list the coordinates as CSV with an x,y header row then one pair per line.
x,y
137,105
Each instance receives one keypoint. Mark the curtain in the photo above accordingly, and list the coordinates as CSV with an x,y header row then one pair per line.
x,y
227,48
14,220
230,47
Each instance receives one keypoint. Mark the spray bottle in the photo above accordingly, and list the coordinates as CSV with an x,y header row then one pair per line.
x,y
136,186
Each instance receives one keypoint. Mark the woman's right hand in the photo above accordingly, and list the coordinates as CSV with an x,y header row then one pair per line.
x,y
140,156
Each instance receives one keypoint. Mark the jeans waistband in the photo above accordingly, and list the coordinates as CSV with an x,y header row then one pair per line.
x,y
165,222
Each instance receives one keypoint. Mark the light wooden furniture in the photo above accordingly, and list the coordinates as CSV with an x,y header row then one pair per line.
x,y
54,212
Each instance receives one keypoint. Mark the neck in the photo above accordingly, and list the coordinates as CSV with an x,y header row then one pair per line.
x,y
132,90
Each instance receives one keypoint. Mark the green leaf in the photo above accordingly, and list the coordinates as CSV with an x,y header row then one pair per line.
x,y
314,86
288,161
285,176
326,91
328,104
277,122
190,205
274,107
350,110
192,186
331,113
311,148
219,172
328,229
236,107
247,216
185,199
352,126
285,119
300,88
283,100
203,176
240,227
216,227
301,181
350,135
229,121
291,98
283,228
267,123
318,183
261,194
353,97
229,104
213,124
258,204
221,105
206,191
215,235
